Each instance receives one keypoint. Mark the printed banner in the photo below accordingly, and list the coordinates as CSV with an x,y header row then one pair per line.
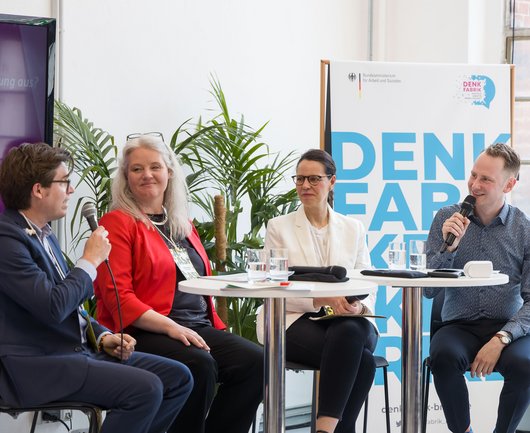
x,y
404,138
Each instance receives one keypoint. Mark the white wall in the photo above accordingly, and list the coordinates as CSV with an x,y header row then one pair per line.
x,y
137,66
27,7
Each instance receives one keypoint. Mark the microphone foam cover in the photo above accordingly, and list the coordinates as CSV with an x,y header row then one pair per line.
x,y
339,271
88,210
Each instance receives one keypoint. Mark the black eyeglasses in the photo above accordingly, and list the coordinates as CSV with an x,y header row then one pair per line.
x,y
142,134
314,179
66,181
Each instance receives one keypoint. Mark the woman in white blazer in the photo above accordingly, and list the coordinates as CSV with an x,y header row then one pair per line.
x,y
341,348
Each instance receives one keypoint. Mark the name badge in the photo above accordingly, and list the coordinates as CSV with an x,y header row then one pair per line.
x,y
183,262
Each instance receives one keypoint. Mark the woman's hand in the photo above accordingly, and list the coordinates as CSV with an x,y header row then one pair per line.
x,y
111,344
155,322
187,336
339,305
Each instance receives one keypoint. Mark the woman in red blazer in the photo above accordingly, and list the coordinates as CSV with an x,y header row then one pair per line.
x,y
154,246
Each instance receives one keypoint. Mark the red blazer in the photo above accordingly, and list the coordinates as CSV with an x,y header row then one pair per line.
x,y
144,271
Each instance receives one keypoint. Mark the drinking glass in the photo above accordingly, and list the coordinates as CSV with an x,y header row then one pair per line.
x,y
256,265
396,255
279,264
417,255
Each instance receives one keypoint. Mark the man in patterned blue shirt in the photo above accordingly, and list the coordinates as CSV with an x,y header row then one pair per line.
x,y
484,328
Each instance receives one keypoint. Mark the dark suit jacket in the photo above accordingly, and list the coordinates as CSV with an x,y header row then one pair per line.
x,y
41,355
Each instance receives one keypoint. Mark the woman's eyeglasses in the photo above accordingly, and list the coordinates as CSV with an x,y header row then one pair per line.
x,y
314,179
143,134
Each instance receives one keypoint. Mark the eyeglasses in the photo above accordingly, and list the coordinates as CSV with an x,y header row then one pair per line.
x,y
142,134
314,179
66,181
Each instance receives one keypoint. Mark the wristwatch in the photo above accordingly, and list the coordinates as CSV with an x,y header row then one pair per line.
x,y
504,337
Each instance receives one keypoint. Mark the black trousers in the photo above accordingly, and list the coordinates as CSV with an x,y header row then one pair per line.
x,y
228,381
453,349
144,394
342,349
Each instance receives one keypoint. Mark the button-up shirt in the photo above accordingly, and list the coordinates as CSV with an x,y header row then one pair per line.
x,y
506,243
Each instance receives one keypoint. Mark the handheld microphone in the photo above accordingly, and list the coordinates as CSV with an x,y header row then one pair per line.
x,y
465,209
88,211
338,271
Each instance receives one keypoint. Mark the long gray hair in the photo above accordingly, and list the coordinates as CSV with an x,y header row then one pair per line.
x,y
175,196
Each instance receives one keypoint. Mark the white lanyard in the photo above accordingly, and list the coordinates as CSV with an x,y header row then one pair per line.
x,y
180,256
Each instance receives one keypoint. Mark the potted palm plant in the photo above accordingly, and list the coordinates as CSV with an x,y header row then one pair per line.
x,y
227,157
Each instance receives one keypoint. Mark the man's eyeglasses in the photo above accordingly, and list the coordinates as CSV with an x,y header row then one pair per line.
x,y
314,179
66,181
142,134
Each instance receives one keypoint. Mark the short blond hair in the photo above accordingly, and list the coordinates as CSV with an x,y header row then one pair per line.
x,y
512,162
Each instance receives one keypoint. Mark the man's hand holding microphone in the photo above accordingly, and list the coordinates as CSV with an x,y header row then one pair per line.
x,y
455,227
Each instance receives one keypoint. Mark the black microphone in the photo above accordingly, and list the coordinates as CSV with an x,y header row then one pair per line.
x,y
465,209
337,271
88,211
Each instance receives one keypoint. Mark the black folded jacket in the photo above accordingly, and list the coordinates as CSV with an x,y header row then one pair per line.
x,y
315,276
400,273
329,274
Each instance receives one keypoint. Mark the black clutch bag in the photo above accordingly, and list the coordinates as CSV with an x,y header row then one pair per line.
x,y
400,273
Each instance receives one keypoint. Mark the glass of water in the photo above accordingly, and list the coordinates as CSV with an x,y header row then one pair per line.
x,y
417,255
279,264
256,265
396,255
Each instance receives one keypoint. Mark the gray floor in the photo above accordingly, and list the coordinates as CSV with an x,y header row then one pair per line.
x,y
294,416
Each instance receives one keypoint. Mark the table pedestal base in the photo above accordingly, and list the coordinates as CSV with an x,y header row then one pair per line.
x,y
411,360
274,380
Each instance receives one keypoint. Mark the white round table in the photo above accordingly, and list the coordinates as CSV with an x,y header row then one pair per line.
x,y
411,334
274,343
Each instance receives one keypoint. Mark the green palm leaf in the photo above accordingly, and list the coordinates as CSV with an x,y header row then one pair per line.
x,y
227,156
95,156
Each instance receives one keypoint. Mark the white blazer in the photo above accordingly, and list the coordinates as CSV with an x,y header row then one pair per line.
x,y
347,247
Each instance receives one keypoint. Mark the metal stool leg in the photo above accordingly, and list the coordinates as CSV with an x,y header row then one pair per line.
x,y
387,404
387,400
425,403
314,404
365,421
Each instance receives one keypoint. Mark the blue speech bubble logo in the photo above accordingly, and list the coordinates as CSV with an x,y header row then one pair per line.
x,y
488,91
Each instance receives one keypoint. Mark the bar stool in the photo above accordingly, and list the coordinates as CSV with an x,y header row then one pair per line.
x,y
380,362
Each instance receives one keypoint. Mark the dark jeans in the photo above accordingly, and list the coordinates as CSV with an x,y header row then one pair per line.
x,y
144,394
342,349
234,363
453,349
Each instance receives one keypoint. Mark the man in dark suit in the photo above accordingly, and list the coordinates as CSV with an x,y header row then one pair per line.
x,y
50,350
